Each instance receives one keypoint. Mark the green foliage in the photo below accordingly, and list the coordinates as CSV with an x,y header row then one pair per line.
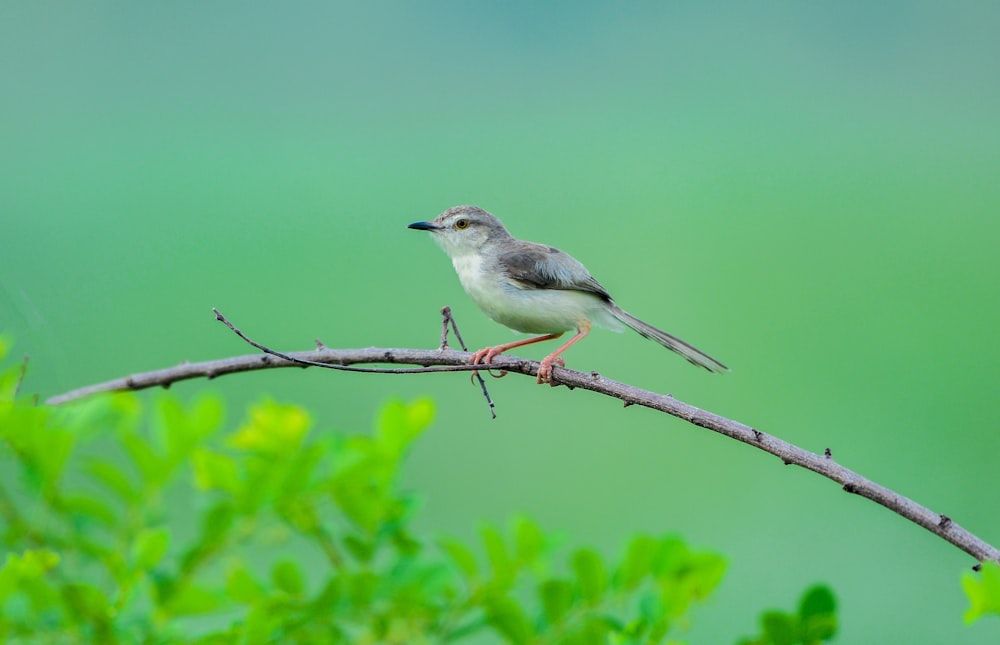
x,y
984,592
125,523
814,622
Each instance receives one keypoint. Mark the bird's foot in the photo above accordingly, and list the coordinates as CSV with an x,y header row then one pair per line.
x,y
485,356
545,369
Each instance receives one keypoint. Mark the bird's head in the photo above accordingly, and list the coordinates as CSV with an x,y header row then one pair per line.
x,y
461,230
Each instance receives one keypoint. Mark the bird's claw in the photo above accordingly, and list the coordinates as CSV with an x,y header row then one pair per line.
x,y
493,373
545,369
485,357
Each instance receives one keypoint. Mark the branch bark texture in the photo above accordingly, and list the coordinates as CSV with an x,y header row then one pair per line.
x,y
435,360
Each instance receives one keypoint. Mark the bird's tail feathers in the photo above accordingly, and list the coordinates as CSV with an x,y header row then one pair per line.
x,y
672,343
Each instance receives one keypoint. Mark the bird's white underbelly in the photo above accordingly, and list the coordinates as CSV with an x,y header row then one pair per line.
x,y
536,311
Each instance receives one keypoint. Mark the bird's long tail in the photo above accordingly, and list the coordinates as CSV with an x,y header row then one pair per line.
x,y
672,343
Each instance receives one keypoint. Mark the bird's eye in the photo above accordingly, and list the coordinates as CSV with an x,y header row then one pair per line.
x,y
462,224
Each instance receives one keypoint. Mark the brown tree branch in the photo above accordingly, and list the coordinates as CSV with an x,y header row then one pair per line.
x,y
445,360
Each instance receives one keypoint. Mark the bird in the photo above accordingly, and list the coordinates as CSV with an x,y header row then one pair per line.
x,y
535,289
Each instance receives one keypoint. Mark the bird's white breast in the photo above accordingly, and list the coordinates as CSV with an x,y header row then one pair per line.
x,y
478,284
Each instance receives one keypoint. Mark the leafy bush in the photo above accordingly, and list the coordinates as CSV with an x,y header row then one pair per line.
x,y
299,538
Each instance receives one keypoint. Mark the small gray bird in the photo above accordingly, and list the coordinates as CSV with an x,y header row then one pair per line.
x,y
535,289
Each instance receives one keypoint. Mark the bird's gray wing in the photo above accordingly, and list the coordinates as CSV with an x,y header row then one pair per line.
x,y
536,266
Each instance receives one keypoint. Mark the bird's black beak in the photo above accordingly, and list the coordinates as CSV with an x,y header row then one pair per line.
x,y
424,226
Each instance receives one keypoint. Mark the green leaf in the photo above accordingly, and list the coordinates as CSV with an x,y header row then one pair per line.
x,y
652,609
181,429
193,600
707,571
399,424
215,471
818,614
287,577
149,547
150,466
462,556
496,553
88,601
779,628
361,588
113,478
272,430
507,617
557,598
260,625
591,576
28,566
638,562
363,550
43,449
984,592
242,587
528,540
84,508
596,630
670,558
817,600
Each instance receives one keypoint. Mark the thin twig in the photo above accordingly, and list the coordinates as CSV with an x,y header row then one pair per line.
x,y
299,359
21,375
448,318
435,360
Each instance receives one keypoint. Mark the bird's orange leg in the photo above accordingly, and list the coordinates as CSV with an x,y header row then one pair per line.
x,y
545,369
486,354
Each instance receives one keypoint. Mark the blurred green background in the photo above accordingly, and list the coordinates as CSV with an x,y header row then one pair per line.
x,y
808,192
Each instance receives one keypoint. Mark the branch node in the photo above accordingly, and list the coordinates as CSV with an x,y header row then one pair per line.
x,y
629,403
944,522
849,487
977,567
757,434
320,345
787,462
827,453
